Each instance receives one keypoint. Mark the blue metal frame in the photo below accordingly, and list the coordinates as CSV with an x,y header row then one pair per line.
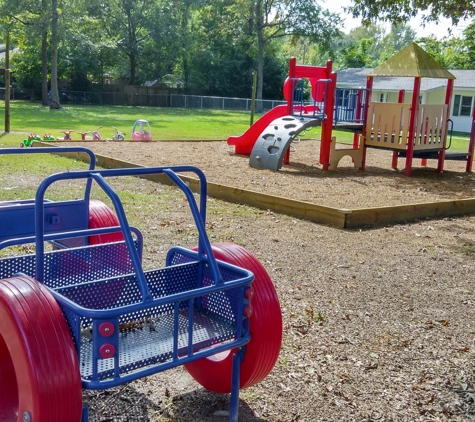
x,y
298,106
346,105
193,287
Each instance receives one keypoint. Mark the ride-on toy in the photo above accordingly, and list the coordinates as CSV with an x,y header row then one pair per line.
x,y
141,131
86,313
29,141
119,136
67,135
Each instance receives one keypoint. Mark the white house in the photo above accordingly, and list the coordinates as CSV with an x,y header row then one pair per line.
x,y
386,89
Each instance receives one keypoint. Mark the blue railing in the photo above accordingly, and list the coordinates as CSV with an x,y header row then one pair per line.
x,y
350,105
314,109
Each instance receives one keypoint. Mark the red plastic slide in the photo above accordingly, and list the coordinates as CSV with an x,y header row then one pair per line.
x,y
245,142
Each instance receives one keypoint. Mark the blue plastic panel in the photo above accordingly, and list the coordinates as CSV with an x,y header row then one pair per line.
x,y
18,218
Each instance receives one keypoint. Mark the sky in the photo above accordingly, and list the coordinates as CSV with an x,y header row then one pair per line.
x,y
440,30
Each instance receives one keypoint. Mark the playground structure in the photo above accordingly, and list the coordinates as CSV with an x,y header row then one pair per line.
x,y
141,131
410,130
86,313
281,125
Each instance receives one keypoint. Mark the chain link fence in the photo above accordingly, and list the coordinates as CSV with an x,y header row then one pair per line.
x,y
146,100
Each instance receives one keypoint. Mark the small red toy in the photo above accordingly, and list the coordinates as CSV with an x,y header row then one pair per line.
x,y
67,135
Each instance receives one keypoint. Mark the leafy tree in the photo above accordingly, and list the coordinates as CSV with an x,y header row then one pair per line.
x,y
128,23
268,20
453,52
362,47
447,51
160,51
467,56
401,11
371,45
357,54
399,37
29,22
223,54
27,67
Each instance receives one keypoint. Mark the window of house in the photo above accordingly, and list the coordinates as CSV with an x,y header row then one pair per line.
x,y
382,98
462,106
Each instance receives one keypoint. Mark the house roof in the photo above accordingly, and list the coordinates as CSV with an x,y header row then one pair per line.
x,y
3,48
412,61
356,78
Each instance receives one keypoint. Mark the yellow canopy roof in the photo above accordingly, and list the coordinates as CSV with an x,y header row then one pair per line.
x,y
412,61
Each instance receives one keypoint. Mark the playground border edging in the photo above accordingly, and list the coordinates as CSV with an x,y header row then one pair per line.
x,y
339,218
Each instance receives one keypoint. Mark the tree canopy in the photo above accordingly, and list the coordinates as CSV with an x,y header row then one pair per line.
x,y
401,11
209,47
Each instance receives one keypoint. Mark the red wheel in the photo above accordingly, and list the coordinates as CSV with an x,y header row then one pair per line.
x,y
214,372
100,215
39,370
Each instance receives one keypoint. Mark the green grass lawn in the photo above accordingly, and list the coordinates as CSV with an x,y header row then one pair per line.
x,y
166,123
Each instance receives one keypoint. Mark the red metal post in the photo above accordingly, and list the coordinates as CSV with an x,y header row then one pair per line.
x,y
412,125
327,124
369,88
470,145
290,99
448,99
400,100
359,103
290,94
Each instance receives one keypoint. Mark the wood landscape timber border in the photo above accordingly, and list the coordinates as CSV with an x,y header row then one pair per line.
x,y
340,218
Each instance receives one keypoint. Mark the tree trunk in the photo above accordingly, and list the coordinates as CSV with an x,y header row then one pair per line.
x,y
44,68
260,56
54,57
133,66
186,72
185,46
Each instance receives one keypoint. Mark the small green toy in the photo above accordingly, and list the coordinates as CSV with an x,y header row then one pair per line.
x,y
31,137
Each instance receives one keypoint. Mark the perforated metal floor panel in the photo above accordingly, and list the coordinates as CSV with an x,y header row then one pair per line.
x,y
151,344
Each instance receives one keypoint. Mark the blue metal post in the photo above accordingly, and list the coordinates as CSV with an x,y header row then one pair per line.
x,y
234,405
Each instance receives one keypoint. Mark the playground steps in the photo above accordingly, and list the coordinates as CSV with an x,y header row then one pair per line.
x,y
269,150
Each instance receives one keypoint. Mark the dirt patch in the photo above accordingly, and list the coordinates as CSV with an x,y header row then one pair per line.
x,y
378,322
303,179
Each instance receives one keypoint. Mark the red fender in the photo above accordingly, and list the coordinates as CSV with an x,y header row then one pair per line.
x,y
39,370
100,215
262,351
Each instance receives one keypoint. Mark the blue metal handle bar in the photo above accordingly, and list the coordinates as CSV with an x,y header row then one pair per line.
x,y
451,130
39,213
67,235
56,150
203,241
124,224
